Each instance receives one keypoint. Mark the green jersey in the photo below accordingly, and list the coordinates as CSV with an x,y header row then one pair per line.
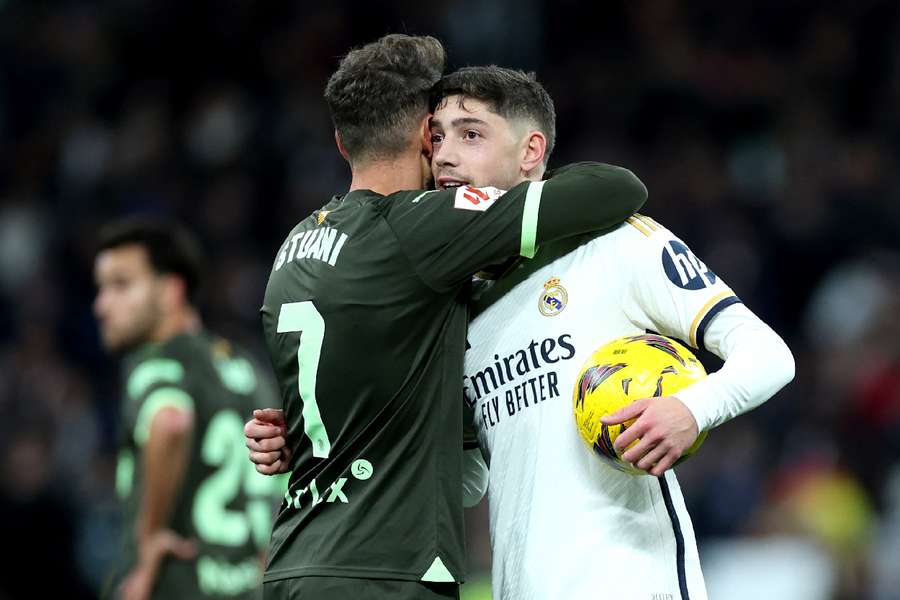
x,y
365,317
223,504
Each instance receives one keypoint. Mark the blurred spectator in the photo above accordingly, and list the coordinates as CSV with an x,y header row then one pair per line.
x,y
37,517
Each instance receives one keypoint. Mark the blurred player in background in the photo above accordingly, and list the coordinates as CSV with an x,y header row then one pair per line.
x,y
197,517
565,524
365,319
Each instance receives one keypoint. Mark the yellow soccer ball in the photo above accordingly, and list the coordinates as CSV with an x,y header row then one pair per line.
x,y
625,370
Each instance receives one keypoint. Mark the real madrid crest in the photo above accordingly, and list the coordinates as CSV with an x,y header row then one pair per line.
x,y
553,299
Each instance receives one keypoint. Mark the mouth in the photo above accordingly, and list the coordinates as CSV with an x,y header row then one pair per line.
x,y
447,183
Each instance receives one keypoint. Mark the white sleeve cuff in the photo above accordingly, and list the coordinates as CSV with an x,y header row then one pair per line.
x,y
475,477
757,364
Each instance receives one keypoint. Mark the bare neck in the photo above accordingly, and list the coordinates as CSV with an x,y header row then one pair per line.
x,y
388,176
182,321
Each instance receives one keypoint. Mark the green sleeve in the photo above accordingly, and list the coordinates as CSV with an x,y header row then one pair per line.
x,y
154,383
449,235
581,198
158,399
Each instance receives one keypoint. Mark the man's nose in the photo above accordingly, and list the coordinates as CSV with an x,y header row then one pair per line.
x,y
445,155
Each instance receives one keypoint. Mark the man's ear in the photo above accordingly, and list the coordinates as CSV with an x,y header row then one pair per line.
x,y
427,146
172,292
340,145
533,151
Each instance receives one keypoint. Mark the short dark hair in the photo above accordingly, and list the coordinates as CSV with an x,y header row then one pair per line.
x,y
510,93
170,247
380,92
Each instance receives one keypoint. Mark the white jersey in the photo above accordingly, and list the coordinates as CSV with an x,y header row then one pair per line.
x,y
565,524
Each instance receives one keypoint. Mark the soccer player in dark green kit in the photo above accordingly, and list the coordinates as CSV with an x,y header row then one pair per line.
x,y
365,318
196,516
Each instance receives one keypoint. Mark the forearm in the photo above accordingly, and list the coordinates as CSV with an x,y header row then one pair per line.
x,y
757,364
165,461
580,198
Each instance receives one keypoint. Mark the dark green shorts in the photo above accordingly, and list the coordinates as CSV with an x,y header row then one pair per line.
x,y
349,588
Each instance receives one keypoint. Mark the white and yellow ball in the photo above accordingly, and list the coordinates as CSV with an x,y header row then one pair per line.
x,y
625,370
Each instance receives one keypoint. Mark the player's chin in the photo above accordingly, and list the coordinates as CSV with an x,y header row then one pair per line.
x,y
115,342
112,341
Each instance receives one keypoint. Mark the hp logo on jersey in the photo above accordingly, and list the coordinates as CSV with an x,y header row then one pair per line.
x,y
684,269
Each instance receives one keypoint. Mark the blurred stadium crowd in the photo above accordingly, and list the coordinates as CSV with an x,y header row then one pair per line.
x,y
768,134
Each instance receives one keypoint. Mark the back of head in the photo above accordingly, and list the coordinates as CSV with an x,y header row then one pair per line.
x,y
512,94
379,94
171,249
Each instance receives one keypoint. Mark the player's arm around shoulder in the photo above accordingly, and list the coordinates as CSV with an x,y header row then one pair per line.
x,y
450,234
616,189
580,198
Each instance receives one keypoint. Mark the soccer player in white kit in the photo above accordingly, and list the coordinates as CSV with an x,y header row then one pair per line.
x,y
564,523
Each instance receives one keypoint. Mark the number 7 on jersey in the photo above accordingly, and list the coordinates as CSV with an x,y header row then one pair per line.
x,y
303,317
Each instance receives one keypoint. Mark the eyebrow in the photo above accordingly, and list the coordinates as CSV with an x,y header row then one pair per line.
x,y
458,122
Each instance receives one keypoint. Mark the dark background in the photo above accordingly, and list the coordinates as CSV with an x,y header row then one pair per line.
x,y
768,134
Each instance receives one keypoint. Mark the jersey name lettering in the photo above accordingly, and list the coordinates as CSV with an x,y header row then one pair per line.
x,y
322,243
